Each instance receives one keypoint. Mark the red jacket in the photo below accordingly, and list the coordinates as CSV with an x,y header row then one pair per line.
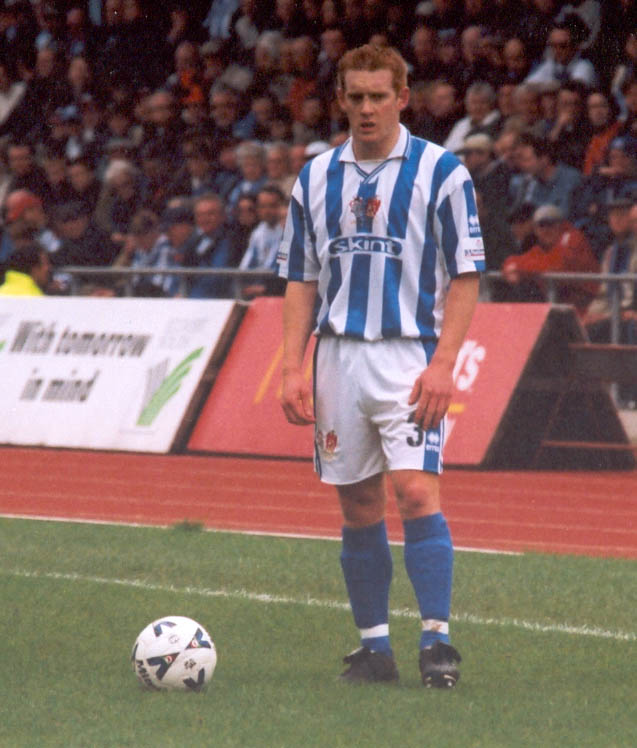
x,y
572,253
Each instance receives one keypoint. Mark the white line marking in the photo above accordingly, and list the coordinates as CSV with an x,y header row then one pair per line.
x,y
257,533
261,597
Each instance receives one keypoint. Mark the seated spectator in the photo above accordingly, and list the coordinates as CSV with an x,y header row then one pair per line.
x,y
490,175
82,242
146,247
615,178
251,163
560,248
444,110
313,122
58,190
482,116
564,61
24,172
83,182
26,218
197,175
277,167
620,257
120,199
542,180
571,129
211,246
27,272
527,109
603,116
263,246
243,220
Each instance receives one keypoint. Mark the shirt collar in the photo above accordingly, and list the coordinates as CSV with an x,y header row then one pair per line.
x,y
400,150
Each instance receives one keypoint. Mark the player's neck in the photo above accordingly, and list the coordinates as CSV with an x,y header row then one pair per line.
x,y
377,151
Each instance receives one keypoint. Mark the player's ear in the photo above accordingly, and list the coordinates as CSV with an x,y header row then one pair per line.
x,y
403,98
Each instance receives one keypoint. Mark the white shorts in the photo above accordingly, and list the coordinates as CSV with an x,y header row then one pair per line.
x,y
363,421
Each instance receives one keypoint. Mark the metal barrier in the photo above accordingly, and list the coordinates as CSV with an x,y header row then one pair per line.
x,y
553,280
79,275
240,277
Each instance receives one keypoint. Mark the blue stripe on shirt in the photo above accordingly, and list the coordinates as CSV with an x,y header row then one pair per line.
x,y
358,296
449,239
296,262
391,307
333,195
398,214
336,280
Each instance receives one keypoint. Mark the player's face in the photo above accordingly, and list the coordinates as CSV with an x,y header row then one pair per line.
x,y
373,109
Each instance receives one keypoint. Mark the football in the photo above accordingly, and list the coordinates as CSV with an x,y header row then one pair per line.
x,y
174,653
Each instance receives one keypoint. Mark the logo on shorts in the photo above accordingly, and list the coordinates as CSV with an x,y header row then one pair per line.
x,y
433,441
327,444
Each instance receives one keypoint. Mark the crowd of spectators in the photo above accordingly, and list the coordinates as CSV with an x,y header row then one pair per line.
x,y
161,135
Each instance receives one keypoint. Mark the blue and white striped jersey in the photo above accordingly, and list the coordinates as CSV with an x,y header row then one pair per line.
x,y
383,242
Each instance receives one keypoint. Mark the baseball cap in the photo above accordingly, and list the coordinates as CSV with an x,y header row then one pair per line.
x,y
478,142
18,202
548,214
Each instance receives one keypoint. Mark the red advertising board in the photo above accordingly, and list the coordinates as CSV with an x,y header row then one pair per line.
x,y
243,415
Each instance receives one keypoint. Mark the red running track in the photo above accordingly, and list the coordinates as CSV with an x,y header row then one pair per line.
x,y
580,513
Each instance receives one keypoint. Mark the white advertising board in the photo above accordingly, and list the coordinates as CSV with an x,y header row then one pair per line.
x,y
103,373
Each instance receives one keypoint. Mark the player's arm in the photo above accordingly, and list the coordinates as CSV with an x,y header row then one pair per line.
x,y
433,389
298,321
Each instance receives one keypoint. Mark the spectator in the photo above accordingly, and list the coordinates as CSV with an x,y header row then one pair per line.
x,y
83,182
571,130
251,163
313,123
146,247
243,220
422,55
304,55
277,167
527,109
27,272
482,116
211,246
15,102
25,218
603,116
615,178
25,173
444,109
517,62
619,257
333,46
58,190
560,248
490,175
263,246
542,180
563,60
82,242
120,199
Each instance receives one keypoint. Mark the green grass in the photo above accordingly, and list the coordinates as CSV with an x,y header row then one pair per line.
x,y
74,597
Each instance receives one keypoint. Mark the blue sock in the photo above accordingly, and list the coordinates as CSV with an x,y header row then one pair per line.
x,y
367,567
429,564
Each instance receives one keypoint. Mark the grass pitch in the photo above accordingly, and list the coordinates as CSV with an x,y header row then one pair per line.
x,y
549,645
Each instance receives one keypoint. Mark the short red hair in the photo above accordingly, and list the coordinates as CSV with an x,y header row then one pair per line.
x,y
371,58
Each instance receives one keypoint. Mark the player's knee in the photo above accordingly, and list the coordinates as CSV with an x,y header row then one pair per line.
x,y
417,495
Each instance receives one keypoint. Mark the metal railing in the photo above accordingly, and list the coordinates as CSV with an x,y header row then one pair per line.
x,y
239,278
128,276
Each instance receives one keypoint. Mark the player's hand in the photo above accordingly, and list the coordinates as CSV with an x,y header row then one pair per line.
x,y
431,394
296,398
